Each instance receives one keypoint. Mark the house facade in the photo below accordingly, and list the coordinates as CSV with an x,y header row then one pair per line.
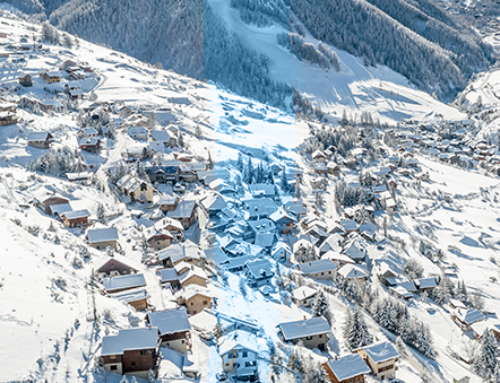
x,y
381,358
312,332
131,352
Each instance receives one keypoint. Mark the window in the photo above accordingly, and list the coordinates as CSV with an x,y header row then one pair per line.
x,y
245,354
133,364
321,335
192,303
113,367
205,302
143,352
309,338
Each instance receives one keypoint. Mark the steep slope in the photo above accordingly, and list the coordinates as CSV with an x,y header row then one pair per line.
x,y
414,38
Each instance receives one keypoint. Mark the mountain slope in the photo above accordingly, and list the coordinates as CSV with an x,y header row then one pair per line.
x,y
415,38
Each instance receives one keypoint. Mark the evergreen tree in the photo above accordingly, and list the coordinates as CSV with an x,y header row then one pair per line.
x,y
285,188
495,378
100,211
321,307
422,340
486,362
248,174
356,333
444,291
181,140
239,163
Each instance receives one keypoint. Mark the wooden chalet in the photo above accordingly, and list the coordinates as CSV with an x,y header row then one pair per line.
x,y
133,352
51,77
26,81
75,218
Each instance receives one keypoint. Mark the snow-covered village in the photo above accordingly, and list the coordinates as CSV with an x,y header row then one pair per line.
x,y
160,228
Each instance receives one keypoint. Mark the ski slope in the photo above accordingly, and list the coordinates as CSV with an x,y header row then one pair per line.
x,y
356,88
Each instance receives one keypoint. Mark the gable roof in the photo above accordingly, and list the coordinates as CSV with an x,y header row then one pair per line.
x,y
161,135
260,268
317,266
303,328
74,214
348,367
184,209
168,275
352,272
38,136
304,292
381,352
131,339
102,235
170,321
333,256
470,316
425,283
179,251
238,340
114,264
124,282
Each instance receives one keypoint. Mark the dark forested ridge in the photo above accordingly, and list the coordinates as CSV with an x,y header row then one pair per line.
x,y
416,38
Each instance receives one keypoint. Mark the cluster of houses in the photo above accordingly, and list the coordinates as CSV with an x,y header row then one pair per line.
x,y
456,148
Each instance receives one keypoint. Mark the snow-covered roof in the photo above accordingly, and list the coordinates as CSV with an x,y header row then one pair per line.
x,y
356,251
191,291
183,209
60,208
260,268
304,292
264,189
348,367
303,328
381,352
131,339
203,321
332,255
124,282
38,136
102,235
352,272
130,296
161,135
470,316
89,142
425,283
213,202
78,176
170,321
179,251
317,266
74,214
193,272
349,224
238,340
167,275
236,263
480,327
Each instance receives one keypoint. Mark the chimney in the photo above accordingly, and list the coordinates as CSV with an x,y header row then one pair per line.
x,y
305,318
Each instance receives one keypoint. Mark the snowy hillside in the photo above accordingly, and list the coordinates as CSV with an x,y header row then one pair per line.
x,y
214,195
